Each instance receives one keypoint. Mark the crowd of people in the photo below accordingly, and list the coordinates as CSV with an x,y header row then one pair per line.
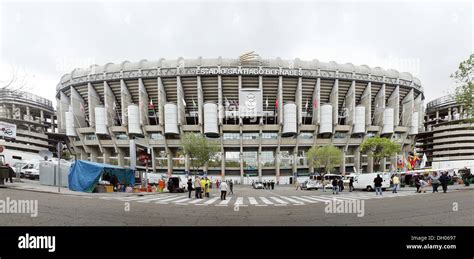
x,y
202,185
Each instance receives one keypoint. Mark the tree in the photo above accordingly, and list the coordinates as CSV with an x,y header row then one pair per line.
x,y
379,148
464,92
15,83
327,156
199,149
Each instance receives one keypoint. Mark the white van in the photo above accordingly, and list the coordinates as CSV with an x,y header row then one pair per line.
x,y
366,181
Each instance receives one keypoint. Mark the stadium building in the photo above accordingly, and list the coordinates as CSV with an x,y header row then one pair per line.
x,y
28,125
448,140
264,113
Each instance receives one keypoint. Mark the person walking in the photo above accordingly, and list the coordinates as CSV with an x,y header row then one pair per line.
x,y
217,183
231,187
273,184
335,188
435,181
10,173
208,187
378,184
351,184
297,184
197,187
396,183
265,185
340,185
190,187
203,186
444,179
223,188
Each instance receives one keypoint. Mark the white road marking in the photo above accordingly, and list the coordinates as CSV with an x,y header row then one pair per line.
x,y
212,200
266,201
281,202
304,199
224,202
253,201
240,202
292,200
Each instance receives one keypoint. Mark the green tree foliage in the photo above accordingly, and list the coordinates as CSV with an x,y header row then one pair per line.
x,y
464,77
199,149
379,148
327,156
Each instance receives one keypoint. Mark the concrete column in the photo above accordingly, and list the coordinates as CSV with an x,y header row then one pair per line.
x,y
28,117
220,106
277,164
259,165
94,154
84,155
295,156
383,163
170,161
357,164
13,111
120,158
52,124
223,165
106,154
342,169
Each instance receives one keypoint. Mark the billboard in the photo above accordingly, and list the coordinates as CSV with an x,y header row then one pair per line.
x,y
7,130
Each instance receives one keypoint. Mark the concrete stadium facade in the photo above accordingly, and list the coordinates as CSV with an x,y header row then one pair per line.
x,y
448,140
264,113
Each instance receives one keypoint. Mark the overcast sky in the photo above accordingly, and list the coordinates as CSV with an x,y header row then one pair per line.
x,y
48,39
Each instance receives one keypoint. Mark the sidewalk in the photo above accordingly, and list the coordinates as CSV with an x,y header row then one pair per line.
x,y
35,186
429,188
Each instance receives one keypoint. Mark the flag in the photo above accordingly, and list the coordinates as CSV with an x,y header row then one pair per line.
x,y
266,103
184,102
276,104
194,103
315,103
423,161
306,105
151,106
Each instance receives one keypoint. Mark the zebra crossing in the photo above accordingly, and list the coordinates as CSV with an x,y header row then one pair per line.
x,y
263,201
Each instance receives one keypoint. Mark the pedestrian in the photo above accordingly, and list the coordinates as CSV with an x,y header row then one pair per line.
x,y
444,179
190,187
335,188
217,183
265,185
417,184
10,173
435,181
197,187
423,184
231,187
340,185
208,187
378,184
351,184
203,186
223,187
273,184
396,183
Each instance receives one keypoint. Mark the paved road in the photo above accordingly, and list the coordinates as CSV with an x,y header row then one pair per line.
x,y
280,207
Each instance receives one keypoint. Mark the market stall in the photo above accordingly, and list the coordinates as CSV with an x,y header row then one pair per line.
x,y
85,176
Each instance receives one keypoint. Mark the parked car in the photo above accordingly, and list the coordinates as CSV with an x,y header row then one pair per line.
x,y
31,170
310,185
257,185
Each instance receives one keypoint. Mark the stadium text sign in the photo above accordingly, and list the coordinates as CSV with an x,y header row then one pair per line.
x,y
249,71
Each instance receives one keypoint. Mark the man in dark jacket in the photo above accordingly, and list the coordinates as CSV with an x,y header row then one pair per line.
x,y
444,179
378,184
273,184
417,184
351,184
340,184
190,187
335,188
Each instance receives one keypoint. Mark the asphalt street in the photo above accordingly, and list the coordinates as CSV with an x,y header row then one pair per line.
x,y
283,206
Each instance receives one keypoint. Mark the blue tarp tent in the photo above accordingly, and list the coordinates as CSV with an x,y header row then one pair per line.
x,y
84,175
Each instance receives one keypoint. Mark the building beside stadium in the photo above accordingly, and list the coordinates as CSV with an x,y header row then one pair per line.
x,y
448,140
27,124
264,113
